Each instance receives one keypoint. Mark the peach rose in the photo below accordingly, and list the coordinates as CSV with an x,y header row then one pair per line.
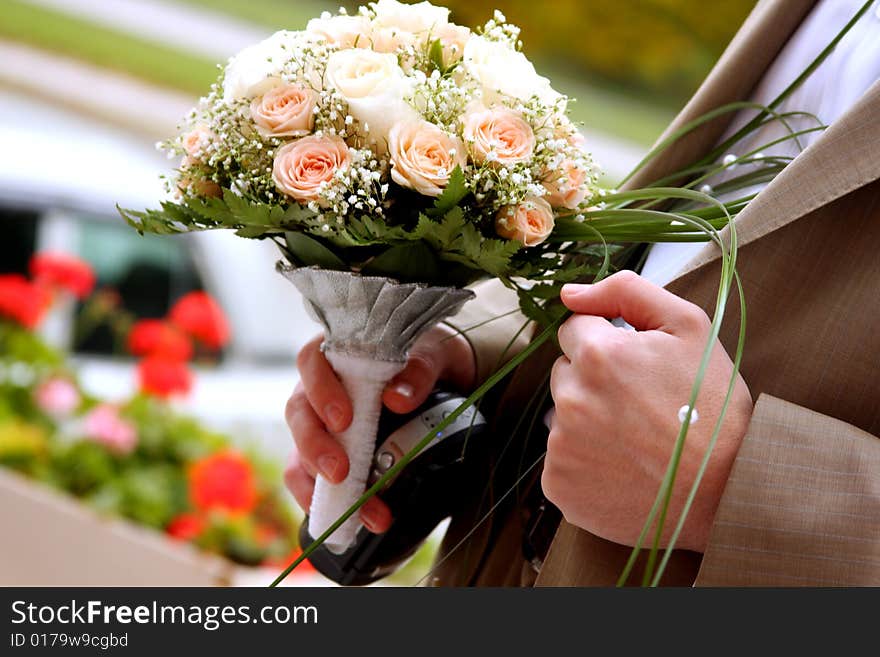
x,y
285,111
530,222
390,39
304,166
499,135
453,38
423,156
197,140
341,31
566,188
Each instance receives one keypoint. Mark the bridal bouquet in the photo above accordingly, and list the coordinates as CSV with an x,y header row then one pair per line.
x,y
395,158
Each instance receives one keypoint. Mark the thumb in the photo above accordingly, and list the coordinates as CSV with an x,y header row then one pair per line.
x,y
409,389
642,304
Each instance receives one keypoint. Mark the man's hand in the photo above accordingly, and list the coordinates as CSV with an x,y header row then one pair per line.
x,y
319,406
618,395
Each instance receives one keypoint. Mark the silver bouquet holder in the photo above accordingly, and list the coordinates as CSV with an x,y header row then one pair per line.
x,y
370,322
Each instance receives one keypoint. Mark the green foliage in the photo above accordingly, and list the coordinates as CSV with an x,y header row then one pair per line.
x,y
149,485
249,218
455,192
306,251
272,14
69,35
435,55
150,495
82,467
235,538
441,235
406,262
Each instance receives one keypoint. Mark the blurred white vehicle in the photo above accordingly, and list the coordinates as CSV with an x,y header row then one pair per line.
x,y
61,177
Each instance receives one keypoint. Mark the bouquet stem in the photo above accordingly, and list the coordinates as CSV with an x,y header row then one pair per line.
x,y
364,380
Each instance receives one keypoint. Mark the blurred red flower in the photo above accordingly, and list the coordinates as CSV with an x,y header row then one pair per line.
x,y
60,270
156,337
186,526
201,317
163,377
224,480
22,300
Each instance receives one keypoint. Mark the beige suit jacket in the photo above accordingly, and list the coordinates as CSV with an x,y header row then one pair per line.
x,y
802,505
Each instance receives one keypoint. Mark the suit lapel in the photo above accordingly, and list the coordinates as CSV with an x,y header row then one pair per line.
x,y
845,158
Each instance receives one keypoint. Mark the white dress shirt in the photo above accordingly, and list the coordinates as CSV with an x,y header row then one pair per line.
x,y
829,92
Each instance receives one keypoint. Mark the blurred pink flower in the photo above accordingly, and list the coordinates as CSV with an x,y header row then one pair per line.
x,y
104,425
57,397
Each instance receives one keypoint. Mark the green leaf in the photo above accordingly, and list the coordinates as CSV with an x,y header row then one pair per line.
x,y
310,252
435,54
494,256
441,234
294,214
532,309
252,232
545,290
455,192
409,263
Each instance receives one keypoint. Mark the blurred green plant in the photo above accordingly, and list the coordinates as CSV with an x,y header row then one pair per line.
x,y
662,47
139,460
274,14
68,35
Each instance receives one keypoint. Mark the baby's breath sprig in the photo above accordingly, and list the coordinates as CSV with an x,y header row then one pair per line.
x,y
498,29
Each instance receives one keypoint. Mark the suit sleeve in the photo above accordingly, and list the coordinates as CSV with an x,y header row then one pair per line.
x,y
493,325
801,506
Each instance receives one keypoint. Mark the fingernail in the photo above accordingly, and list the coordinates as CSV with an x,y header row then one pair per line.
x,y
327,465
334,417
369,518
573,288
404,390
368,521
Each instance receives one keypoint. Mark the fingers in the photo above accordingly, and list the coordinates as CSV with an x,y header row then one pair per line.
x,y
441,353
641,303
375,514
318,450
325,392
582,336
409,389
299,482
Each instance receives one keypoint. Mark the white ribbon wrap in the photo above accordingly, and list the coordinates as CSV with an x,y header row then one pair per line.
x,y
364,380
369,323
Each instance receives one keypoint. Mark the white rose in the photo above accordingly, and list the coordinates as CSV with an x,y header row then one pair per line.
x,y
374,86
342,31
416,19
502,70
257,69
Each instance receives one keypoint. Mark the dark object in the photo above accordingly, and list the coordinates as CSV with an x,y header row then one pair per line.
x,y
432,487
